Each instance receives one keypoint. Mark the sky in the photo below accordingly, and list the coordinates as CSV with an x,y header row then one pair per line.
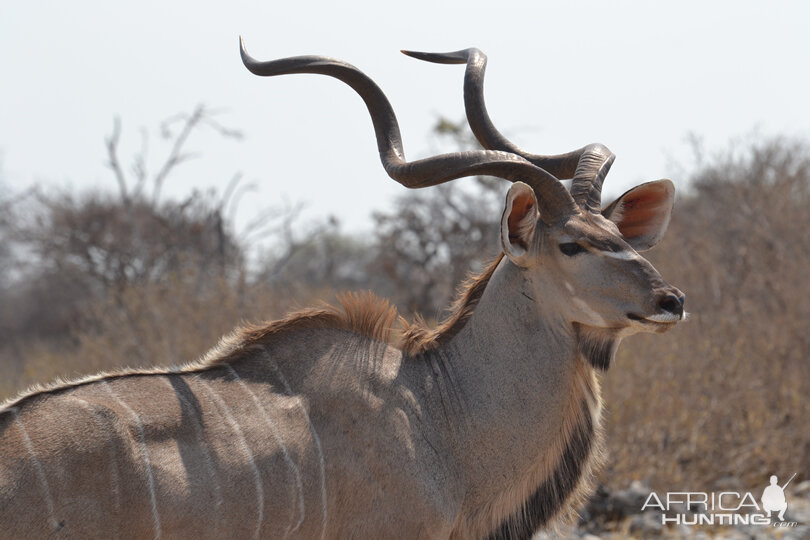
x,y
639,77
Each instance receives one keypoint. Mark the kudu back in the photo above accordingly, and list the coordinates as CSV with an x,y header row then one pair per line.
x,y
348,421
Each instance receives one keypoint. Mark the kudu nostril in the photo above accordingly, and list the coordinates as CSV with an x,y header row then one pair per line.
x,y
672,304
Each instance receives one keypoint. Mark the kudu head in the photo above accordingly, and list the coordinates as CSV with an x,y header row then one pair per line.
x,y
585,266
582,260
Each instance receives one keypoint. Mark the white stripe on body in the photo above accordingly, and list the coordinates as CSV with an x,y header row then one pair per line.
x,y
142,444
203,446
226,412
287,458
115,481
40,472
315,437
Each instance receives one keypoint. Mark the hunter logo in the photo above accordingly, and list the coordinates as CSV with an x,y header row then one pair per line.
x,y
773,498
723,508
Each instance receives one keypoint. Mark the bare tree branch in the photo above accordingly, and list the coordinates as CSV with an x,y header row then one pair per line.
x,y
237,197
229,190
139,166
175,156
112,159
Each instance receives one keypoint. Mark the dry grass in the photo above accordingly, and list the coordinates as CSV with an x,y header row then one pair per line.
x,y
144,325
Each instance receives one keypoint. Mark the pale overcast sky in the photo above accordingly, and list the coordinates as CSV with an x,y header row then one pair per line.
x,y
636,76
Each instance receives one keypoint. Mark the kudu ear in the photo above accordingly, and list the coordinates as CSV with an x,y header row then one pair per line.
x,y
518,223
642,214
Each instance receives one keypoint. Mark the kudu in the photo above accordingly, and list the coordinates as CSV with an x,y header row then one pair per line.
x,y
350,422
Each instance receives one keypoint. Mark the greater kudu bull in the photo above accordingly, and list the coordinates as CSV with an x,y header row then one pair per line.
x,y
349,422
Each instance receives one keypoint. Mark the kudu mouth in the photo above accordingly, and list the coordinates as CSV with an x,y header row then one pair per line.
x,y
670,312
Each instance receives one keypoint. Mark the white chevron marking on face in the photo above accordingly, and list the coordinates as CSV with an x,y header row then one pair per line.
x,y
621,255
588,310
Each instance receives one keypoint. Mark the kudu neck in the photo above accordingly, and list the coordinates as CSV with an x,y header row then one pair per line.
x,y
513,355
518,392
511,328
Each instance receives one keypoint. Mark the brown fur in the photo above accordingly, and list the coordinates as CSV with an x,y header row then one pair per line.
x,y
366,314
363,313
419,337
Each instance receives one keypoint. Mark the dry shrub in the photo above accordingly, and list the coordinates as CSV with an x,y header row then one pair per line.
x,y
724,394
143,325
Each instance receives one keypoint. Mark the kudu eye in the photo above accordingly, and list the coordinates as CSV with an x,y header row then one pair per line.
x,y
571,248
